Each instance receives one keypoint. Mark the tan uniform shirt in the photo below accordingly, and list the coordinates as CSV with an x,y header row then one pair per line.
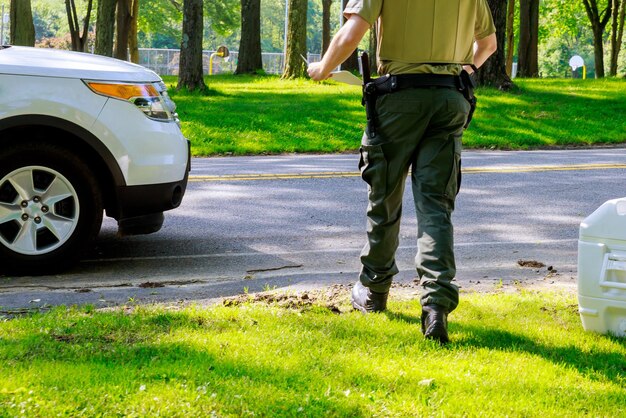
x,y
425,36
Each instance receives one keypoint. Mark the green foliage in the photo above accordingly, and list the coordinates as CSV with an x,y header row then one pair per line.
x,y
564,31
46,25
273,25
223,15
257,115
522,354
160,24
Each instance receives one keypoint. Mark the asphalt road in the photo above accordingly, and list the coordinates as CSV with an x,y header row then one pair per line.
x,y
298,221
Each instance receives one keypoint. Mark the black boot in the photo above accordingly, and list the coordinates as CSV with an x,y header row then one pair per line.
x,y
367,301
435,323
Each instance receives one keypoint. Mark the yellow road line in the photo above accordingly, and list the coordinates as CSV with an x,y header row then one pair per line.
x,y
473,170
539,168
241,177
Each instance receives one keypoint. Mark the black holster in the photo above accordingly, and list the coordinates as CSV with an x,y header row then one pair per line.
x,y
467,86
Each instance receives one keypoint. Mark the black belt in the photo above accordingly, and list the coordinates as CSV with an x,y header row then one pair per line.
x,y
392,83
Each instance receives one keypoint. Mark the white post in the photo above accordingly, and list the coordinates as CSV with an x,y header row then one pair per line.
x,y
285,37
2,27
340,23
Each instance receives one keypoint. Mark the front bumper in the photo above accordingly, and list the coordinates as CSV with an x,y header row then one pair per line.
x,y
147,199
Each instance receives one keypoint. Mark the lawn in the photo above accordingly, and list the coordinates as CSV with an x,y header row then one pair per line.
x,y
521,354
265,115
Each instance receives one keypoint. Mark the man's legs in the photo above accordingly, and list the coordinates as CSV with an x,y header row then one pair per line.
x,y
384,164
435,181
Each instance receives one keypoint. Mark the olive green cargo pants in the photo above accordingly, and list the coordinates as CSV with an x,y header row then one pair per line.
x,y
419,128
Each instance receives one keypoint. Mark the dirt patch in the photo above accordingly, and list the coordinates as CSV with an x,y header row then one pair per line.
x,y
331,297
530,263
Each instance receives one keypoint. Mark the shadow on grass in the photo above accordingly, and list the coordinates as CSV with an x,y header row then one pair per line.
x,y
589,363
70,355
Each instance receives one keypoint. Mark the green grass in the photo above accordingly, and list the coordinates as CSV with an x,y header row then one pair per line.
x,y
266,115
517,355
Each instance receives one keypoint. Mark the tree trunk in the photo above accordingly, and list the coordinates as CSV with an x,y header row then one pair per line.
x,y
190,71
510,37
373,49
296,40
79,42
528,60
352,63
598,52
599,20
617,31
124,17
493,71
22,27
133,45
250,59
326,25
105,27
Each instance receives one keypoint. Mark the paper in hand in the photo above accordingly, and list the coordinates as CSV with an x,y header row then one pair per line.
x,y
346,77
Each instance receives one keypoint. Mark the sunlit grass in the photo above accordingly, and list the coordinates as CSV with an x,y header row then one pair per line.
x,y
521,354
259,115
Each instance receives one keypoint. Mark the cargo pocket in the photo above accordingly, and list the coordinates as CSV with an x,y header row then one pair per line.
x,y
373,167
454,181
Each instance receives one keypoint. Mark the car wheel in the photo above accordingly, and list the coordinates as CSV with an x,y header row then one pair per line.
x,y
50,209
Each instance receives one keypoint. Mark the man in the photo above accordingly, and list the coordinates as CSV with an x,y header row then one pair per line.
x,y
418,120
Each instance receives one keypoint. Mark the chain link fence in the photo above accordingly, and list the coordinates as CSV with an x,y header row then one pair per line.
x,y
165,61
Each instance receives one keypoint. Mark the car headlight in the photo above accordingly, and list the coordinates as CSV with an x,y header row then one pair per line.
x,y
146,96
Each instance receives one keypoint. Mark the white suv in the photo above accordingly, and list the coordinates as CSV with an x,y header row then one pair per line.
x,y
80,134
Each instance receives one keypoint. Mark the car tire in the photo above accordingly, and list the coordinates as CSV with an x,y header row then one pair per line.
x,y
50,208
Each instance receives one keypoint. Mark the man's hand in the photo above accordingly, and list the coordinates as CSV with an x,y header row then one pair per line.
x,y
343,44
316,71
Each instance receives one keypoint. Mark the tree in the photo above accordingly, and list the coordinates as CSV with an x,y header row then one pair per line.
x,y
250,59
493,71
599,20
372,49
352,63
510,36
528,59
296,40
105,27
79,42
124,17
190,71
326,24
617,32
22,27
133,46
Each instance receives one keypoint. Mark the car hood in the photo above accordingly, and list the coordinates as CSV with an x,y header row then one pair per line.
x,y
45,62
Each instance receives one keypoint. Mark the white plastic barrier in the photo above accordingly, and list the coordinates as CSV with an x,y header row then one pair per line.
x,y
602,269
